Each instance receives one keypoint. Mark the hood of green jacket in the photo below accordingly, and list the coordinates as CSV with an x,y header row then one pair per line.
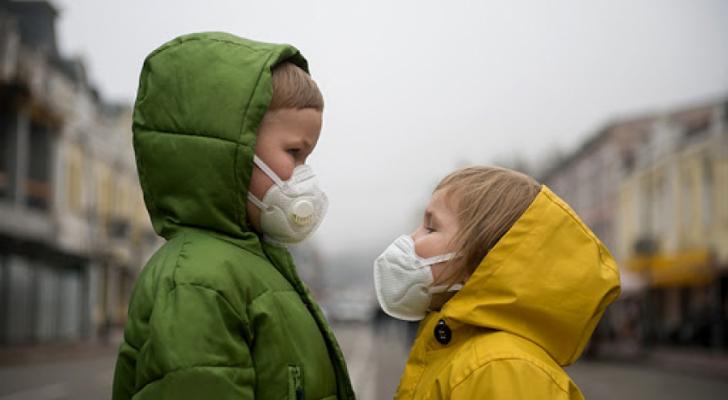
x,y
200,101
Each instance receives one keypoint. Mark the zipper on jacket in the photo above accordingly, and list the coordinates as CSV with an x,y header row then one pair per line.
x,y
295,382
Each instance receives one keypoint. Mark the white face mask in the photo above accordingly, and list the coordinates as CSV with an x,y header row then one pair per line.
x,y
403,281
290,210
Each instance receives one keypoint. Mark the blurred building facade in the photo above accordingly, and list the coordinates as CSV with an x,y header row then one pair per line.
x,y
589,179
655,189
674,225
73,227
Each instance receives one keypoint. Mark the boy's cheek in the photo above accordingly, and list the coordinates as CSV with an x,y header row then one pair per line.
x,y
259,184
253,214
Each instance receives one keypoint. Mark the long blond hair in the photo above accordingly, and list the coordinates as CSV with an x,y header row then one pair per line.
x,y
488,201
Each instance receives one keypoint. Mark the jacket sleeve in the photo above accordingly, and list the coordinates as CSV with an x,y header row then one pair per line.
x,y
509,379
196,349
123,388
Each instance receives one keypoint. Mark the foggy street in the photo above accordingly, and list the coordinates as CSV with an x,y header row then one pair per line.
x,y
554,170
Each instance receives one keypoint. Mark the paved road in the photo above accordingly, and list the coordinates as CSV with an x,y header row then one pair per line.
x,y
86,379
607,381
376,356
384,350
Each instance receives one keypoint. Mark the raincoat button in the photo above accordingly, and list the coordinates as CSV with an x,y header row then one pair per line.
x,y
443,333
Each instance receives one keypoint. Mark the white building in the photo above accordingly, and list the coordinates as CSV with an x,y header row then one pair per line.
x,y
73,228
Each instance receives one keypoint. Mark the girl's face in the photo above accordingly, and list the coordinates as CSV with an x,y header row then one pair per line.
x,y
434,235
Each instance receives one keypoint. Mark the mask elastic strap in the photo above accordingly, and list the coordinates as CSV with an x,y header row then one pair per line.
x,y
257,201
268,171
437,259
445,288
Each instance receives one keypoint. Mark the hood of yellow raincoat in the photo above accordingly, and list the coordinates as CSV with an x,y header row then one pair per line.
x,y
549,280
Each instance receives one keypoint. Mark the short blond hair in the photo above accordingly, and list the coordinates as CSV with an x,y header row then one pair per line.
x,y
294,88
488,201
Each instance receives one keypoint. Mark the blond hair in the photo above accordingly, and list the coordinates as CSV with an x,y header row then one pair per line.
x,y
488,201
294,88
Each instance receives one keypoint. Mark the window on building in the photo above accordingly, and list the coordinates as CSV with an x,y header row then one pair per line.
x,y
7,155
645,207
37,186
707,193
120,224
687,204
628,162
658,207
74,179
722,191
104,194
697,126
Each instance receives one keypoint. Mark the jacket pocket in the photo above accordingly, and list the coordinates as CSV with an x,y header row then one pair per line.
x,y
295,382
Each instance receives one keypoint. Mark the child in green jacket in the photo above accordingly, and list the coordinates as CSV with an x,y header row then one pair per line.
x,y
222,129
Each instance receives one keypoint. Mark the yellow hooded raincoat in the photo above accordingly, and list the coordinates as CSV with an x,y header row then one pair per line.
x,y
528,310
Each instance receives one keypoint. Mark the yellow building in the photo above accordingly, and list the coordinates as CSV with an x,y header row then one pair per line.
x,y
672,225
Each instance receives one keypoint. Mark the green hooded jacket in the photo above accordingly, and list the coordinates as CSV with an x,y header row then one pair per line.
x,y
216,313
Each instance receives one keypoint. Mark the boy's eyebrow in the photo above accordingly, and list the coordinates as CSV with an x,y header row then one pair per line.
x,y
303,142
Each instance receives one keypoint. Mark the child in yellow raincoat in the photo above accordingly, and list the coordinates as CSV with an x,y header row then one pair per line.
x,y
508,282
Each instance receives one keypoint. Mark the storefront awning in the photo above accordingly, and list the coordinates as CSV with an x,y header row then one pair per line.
x,y
687,268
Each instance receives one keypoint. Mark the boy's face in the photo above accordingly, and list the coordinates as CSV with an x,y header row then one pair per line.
x,y
285,139
434,235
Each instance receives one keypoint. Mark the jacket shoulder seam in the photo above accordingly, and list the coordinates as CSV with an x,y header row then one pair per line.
x,y
196,284
220,293
209,289
181,249
271,292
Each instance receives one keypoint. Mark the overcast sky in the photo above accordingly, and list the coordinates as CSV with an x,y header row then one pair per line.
x,y
415,88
